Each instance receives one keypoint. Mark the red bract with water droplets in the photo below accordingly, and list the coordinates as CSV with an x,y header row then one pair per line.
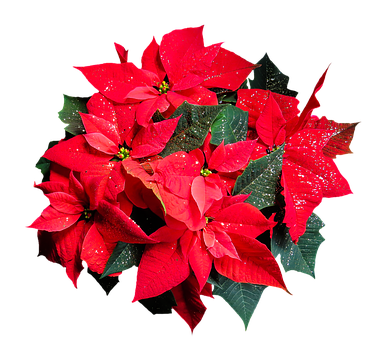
x,y
180,69
72,229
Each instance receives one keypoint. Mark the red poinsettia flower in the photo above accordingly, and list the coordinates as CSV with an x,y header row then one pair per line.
x,y
180,69
228,240
112,137
72,229
273,118
188,184
307,174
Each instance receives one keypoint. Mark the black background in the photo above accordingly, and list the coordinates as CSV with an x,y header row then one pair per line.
x,y
302,51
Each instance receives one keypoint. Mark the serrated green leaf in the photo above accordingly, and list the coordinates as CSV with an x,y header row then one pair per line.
x,y
301,256
192,128
230,125
70,114
124,256
260,179
242,297
269,77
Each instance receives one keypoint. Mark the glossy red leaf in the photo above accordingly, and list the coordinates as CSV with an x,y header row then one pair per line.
x,y
151,60
53,220
242,218
122,53
65,203
151,140
189,304
227,71
201,262
99,106
257,264
270,124
76,154
115,80
303,193
95,251
231,157
176,45
114,225
161,268
94,124
253,101
312,104
67,245
101,143
147,108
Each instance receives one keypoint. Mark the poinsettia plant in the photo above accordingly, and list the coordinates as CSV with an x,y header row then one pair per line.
x,y
195,174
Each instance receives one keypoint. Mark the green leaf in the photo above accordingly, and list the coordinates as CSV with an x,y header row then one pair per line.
x,y
260,178
108,284
44,164
269,77
242,297
300,256
230,125
70,114
124,256
161,304
192,127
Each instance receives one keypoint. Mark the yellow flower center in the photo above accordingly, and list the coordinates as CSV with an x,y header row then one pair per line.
x,y
163,87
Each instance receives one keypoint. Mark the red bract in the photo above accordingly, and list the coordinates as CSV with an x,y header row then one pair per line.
x,y
112,137
71,230
180,69
227,240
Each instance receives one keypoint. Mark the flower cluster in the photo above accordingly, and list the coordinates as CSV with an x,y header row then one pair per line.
x,y
193,173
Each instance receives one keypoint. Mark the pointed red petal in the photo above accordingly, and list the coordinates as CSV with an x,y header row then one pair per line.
x,y
198,191
101,107
176,45
151,60
312,104
243,218
222,245
198,95
115,225
227,71
52,186
65,203
189,304
305,150
161,268
257,264
101,143
94,124
147,108
151,140
303,193
253,101
270,123
68,245
95,251
115,80
237,155
167,235
339,142
142,93
53,220
201,263
76,154
122,53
